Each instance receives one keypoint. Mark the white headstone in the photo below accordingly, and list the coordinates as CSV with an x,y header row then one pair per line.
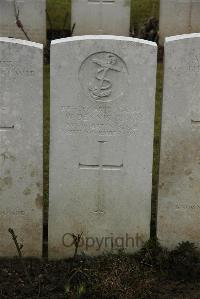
x,y
178,17
102,125
101,17
179,204
21,183
31,13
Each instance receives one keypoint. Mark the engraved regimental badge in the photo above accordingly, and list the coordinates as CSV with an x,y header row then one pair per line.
x,y
104,77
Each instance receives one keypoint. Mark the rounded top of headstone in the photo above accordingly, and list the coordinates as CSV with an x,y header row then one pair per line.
x,y
21,42
103,37
181,37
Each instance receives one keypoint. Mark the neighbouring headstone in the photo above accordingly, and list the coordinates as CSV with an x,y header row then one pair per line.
x,y
101,17
102,126
30,13
178,202
178,17
21,170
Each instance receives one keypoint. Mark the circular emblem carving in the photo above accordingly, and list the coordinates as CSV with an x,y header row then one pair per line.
x,y
104,77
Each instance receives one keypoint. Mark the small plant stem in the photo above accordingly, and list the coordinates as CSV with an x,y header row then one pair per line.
x,y
19,247
18,22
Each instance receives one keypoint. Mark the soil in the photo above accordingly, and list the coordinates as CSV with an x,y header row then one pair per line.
x,y
151,273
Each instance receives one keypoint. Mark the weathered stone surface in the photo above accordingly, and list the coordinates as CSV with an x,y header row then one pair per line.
x,y
178,17
101,17
102,124
179,204
32,14
21,66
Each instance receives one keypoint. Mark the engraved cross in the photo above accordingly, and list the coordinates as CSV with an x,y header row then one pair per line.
x,y
101,167
101,3
6,128
195,123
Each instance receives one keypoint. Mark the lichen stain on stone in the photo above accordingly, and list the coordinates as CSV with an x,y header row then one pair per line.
x,y
34,173
188,172
7,172
39,185
27,191
179,163
39,201
5,183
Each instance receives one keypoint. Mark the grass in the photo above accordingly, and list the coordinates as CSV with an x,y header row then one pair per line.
x,y
158,108
46,132
59,12
142,10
